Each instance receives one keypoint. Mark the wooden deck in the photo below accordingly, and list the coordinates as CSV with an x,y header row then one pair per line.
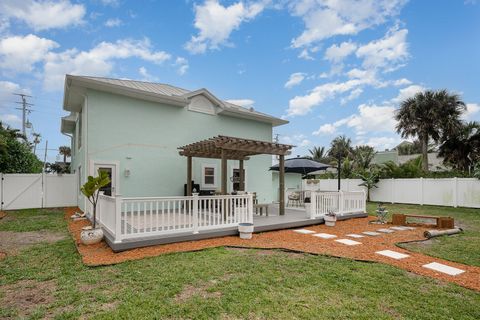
x,y
293,218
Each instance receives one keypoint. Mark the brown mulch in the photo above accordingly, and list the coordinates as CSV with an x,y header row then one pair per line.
x,y
101,254
3,214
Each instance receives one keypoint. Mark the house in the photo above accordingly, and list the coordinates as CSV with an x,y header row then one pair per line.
x,y
174,157
132,129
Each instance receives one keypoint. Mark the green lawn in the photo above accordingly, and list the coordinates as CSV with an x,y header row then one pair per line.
x,y
217,283
463,248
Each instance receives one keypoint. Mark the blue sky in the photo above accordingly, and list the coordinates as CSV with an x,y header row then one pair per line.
x,y
330,67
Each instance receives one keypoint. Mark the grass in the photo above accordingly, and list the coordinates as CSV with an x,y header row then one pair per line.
x,y
222,283
463,248
34,220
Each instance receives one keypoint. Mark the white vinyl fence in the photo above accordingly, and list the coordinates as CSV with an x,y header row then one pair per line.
x,y
454,192
25,191
342,202
129,218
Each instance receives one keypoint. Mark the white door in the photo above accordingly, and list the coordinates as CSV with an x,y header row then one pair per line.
x,y
111,170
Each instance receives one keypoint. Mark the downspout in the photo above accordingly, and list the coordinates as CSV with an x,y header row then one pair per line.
x,y
85,141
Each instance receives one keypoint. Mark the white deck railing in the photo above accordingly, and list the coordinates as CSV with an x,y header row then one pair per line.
x,y
127,218
340,202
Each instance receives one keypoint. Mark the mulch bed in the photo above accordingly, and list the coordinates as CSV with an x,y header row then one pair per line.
x,y
101,254
3,214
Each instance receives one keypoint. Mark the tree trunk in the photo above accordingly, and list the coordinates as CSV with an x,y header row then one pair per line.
x,y
424,140
65,158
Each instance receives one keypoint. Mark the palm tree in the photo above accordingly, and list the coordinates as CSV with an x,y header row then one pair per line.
x,y
317,153
461,150
363,156
36,141
429,115
341,147
66,152
369,181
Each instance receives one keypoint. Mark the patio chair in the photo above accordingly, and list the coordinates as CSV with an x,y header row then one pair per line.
x,y
293,199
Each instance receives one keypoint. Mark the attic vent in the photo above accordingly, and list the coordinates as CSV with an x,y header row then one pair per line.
x,y
251,109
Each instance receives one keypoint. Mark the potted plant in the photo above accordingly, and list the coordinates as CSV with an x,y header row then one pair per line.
x,y
91,190
330,219
382,213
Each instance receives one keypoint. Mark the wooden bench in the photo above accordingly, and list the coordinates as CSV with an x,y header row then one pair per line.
x,y
441,222
260,206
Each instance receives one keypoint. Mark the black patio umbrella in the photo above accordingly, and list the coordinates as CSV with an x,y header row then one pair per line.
x,y
301,165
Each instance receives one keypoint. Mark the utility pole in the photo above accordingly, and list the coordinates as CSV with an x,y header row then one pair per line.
x,y
25,109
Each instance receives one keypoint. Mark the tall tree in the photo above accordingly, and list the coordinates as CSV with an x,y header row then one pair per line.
x,y
461,150
341,147
429,115
363,156
66,152
318,153
36,141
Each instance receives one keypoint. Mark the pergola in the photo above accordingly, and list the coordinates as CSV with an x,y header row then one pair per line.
x,y
232,148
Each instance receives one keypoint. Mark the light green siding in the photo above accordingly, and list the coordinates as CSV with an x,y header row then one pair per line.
x,y
143,137
292,181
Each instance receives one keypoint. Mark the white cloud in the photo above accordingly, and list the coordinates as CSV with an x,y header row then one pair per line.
x,y
407,92
295,79
7,89
370,118
113,23
324,19
472,109
387,53
10,119
43,15
337,53
112,3
20,53
354,94
99,61
146,76
301,105
182,65
215,23
242,102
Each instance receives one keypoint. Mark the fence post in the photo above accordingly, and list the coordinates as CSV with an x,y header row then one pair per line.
x,y
195,212
393,190
250,208
341,198
313,204
118,218
421,191
364,203
455,192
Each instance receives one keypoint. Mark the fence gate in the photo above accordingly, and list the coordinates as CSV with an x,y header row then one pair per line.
x,y
22,192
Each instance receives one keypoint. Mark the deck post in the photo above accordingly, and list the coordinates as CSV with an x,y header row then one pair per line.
x,y
313,205
224,172
189,176
118,218
281,179
242,176
195,213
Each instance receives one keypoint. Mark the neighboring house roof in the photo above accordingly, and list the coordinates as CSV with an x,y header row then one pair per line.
x,y
385,156
158,92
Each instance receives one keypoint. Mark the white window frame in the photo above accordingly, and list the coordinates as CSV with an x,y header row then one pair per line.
x,y
215,174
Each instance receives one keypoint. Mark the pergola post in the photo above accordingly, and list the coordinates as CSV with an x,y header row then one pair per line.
x,y
242,176
281,179
224,172
189,176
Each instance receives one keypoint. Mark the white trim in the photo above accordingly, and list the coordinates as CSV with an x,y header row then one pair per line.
x,y
215,176
116,172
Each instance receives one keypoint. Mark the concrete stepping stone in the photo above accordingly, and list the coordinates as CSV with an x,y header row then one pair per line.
x,y
392,254
371,233
304,231
354,235
325,235
443,268
348,242
402,228
385,231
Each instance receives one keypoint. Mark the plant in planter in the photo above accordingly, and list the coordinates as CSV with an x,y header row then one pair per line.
x,y
91,190
330,219
382,213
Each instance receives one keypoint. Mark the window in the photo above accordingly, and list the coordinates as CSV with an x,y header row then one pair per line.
x,y
208,176
79,130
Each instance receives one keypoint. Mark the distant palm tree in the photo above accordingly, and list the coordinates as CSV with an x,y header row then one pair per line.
x,y
429,115
462,149
66,152
363,156
317,153
341,147
36,141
